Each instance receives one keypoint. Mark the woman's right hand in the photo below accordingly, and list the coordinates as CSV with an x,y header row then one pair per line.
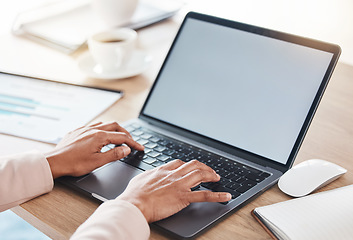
x,y
163,191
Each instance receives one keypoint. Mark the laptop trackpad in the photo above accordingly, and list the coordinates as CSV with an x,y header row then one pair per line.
x,y
109,181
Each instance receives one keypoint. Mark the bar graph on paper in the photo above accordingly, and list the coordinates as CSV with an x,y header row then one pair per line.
x,y
45,111
27,107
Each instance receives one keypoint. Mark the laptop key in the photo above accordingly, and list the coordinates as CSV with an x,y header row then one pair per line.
x,y
169,160
146,136
192,155
147,150
135,125
178,155
243,189
235,194
186,151
171,145
208,185
151,145
163,142
163,158
168,152
158,163
129,128
242,172
135,138
246,185
229,166
249,183
238,179
154,154
149,160
233,185
160,148
137,133
255,177
154,139
142,141
223,181
220,188
252,170
221,172
229,175
195,188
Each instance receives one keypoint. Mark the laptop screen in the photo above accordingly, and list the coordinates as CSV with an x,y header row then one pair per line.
x,y
247,90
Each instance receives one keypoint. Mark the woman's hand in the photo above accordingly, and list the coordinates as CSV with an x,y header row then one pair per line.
x,y
79,152
163,191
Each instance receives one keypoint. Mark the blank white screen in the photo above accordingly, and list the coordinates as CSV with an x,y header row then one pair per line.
x,y
247,90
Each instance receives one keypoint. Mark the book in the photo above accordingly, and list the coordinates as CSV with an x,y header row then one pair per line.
x,y
324,215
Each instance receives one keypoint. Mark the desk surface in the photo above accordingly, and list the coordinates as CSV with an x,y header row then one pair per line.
x,y
61,211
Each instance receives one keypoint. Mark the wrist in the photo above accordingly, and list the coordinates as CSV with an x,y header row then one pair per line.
x,y
137,204
54,164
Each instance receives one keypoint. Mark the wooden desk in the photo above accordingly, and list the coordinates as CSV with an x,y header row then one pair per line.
x,y
61,211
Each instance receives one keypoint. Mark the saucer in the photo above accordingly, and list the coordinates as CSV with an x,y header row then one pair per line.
x,y
138,62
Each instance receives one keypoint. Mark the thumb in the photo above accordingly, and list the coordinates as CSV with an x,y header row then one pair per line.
x,y
114,154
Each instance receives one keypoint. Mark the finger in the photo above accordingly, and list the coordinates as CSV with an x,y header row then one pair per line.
x,y
172,165
113,126
208,196
95,124
193,165
120,138
198,176
92,125
114,154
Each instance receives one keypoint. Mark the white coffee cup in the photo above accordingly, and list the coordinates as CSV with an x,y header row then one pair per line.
x,y
111,48
115,12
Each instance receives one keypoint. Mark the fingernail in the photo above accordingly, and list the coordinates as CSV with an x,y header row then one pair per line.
x,y
226,196
126,150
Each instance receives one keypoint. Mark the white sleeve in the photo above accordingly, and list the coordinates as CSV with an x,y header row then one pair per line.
x,y
114,219
23,177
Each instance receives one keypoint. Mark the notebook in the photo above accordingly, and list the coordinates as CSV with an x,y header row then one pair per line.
x,y
325,216
238,98
66,25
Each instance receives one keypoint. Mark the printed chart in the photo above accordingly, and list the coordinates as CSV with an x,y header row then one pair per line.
x,y
44,110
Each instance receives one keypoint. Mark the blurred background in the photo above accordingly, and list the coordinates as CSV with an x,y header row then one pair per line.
x,y
327,20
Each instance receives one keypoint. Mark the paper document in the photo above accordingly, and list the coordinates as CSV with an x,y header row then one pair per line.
x,y
46,111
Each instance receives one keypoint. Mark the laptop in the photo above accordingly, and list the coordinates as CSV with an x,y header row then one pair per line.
x,y
238,98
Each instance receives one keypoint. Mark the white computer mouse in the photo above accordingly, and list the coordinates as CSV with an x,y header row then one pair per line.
x,y
309,176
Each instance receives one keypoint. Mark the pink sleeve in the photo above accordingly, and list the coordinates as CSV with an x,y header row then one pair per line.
x,y
23,177
114,219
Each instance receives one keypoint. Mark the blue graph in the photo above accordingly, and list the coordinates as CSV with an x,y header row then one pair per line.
x,y
15,105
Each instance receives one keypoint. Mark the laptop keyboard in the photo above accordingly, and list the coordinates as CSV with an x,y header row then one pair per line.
x,y
236,178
